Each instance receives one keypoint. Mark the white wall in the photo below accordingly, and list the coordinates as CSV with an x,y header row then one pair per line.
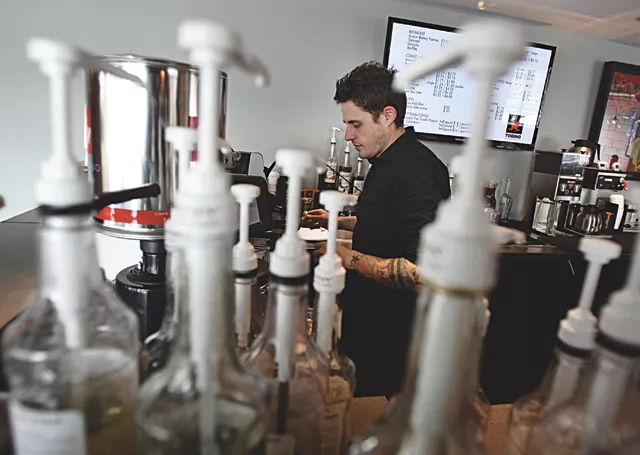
x,y
307,44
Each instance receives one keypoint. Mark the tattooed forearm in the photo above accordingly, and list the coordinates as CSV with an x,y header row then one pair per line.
x,y
397,273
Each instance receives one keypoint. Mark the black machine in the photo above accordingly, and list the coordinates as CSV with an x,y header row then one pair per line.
x,y
143,286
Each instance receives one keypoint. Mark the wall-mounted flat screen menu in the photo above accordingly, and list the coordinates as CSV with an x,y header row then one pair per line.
x,y
440,107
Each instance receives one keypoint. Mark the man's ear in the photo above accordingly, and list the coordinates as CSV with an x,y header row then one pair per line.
x,y
390,115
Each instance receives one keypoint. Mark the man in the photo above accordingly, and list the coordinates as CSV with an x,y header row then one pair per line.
x,y
402,191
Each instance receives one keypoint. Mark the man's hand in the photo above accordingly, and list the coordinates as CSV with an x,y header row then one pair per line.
x,y
345,253
316,218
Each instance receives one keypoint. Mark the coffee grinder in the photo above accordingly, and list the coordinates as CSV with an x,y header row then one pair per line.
x,y
126,148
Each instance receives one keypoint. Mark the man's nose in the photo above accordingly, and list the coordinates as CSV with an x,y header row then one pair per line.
x,y
348,135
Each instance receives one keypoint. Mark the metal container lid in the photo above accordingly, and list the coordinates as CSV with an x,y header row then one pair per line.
x,y
152,62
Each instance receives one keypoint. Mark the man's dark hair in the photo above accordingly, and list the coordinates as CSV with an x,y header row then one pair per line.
x,y
369,87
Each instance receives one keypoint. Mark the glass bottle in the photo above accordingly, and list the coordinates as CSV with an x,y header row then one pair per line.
x,y
344,172
443,418
490,201
602,413
386,436
555,390
168,410
71,357
331,165
506,202
358,179
297,405
336,425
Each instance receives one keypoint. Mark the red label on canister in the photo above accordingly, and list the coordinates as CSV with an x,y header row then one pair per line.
x,y
88,140
148,217
193,123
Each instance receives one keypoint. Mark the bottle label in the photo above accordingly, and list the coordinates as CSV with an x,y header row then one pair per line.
x,y
333,428
280,444
36,432
358,185
330,176
345,181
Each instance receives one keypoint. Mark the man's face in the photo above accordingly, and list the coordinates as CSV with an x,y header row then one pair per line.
x,y
369,136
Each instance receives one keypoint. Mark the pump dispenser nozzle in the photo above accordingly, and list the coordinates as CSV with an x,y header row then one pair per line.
x,y
578,329
333,137
61,182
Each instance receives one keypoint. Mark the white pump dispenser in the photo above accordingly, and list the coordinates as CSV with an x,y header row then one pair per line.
x,y
329,274
245,262
204,208
91,362
331,163
578,329
457,264
62,183
290,258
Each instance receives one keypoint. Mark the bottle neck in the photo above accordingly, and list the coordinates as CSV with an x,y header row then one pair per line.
x,y
332,153
204,299
67,269
359,172
346,159
562,377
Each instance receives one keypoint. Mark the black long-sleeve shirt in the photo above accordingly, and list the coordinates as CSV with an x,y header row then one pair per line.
x,y
402,191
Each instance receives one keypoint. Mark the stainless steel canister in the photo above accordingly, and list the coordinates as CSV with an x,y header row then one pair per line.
x,y
125,140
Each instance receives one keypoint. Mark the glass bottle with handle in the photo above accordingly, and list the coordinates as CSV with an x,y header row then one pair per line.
x,y
328,281
71,357
284,352
576,340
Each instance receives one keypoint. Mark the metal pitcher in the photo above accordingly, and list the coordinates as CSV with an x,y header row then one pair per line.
x,y
125,142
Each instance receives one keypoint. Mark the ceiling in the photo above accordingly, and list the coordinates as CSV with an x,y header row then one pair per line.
x,y
612,20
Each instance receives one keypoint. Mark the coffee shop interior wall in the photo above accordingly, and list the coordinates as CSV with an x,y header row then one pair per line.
x,y
307,44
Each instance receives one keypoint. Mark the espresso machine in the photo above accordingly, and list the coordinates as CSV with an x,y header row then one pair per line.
x,y
126,148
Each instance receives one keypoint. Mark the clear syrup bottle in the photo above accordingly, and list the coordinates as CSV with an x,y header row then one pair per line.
x,y
576,341
328,281
284,352
358,179
330,176
345,172
71,357
505,203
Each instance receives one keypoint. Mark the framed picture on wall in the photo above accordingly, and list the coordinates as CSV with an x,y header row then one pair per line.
x,y
616,118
